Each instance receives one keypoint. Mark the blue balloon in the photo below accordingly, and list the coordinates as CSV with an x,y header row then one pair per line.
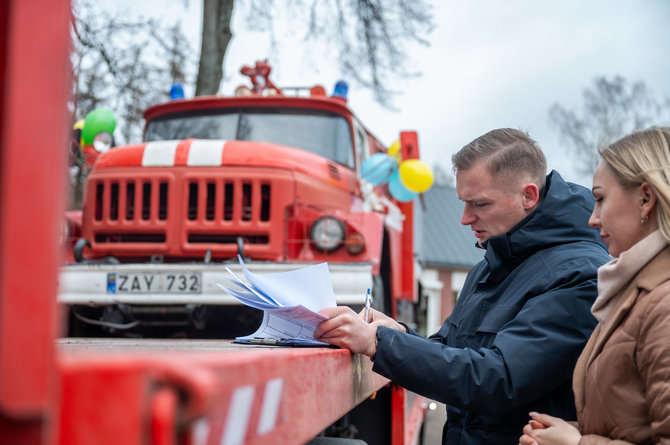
x,y
378,168
398,189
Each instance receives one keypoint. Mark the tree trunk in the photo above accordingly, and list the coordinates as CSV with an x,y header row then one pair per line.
x,y
216,35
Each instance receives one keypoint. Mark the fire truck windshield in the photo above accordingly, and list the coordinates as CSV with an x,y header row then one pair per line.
x,y
326,134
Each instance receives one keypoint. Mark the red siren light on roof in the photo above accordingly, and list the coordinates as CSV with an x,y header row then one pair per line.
x,y
317,90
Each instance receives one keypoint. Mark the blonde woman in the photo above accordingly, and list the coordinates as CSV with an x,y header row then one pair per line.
x,y
622,378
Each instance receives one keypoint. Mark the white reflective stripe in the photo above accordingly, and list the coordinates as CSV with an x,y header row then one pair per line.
x,y
238,416
200,432
205,152
159,154
270,406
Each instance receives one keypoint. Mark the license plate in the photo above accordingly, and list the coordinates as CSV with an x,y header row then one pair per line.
x,y
154,282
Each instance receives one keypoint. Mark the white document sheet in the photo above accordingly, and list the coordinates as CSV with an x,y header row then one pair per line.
x,y
291,325
308,286
289,301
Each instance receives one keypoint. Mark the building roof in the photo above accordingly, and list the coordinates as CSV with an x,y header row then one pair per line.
x,y
443,241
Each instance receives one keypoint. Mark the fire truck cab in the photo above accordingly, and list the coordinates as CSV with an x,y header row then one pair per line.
x,y
272,177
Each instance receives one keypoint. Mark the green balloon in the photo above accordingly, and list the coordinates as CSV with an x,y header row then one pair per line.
x,y
97,121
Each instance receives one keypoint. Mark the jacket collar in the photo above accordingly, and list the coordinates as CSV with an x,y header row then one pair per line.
x,y
651,276
654,273
616,274
561,218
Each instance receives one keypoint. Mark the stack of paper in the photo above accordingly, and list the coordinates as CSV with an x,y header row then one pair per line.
x,y
290,302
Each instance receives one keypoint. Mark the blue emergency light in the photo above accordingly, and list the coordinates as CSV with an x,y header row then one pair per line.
x,y
176,91
341,89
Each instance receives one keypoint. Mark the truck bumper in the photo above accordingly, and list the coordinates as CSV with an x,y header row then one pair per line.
x,y
87,284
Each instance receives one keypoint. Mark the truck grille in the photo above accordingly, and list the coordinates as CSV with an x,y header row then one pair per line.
x,y
224,193
229,202
120,205
185,214
127,197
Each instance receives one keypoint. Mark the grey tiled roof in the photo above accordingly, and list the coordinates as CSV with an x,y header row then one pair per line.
x,y
440,237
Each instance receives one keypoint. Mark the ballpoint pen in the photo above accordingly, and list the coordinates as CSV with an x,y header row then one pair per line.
x,y
368,299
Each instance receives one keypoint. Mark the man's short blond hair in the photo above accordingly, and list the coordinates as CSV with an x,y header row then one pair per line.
x,y
510,155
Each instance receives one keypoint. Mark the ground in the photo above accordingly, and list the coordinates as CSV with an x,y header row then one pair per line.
x,y
435,418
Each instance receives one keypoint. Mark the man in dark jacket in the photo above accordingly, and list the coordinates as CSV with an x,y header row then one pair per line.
x,y
523,316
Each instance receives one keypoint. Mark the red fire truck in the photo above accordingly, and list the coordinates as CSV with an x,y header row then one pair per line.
x,y
272,177
57,390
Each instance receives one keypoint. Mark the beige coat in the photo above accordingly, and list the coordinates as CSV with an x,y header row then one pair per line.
x,y
622,379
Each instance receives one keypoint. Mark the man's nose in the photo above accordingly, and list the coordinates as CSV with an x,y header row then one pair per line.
x,y
468,216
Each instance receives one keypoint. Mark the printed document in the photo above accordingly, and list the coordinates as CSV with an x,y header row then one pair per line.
x,y
290,302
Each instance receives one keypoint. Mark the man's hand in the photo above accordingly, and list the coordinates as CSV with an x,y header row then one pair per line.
x,y
381,319
547,430
347,329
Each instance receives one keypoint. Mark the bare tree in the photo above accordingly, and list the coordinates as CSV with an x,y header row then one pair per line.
x,y
368,36
216,34
122,65
610,110
117,62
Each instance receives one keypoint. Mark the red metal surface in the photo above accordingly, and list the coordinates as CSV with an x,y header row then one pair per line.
x,y
239,153
163,414
227,394
266,193
409,145
409,286
398,395
212,102
33,137
30,206
413,420
407,414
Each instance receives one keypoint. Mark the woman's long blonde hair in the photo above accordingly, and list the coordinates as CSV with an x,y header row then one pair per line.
x,y
645,156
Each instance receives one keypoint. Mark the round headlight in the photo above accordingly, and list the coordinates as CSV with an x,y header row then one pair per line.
x,y
355,243
102,142
327,233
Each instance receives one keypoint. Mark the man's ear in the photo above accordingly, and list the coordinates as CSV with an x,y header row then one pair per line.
x,y
531,196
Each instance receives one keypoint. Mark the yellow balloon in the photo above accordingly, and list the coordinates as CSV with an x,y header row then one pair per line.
x,y
394,150
78,125
416,175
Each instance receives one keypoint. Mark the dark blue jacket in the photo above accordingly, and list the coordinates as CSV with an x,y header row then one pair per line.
x,y
521,321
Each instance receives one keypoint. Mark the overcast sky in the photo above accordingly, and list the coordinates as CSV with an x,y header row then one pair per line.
x,y
490,64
